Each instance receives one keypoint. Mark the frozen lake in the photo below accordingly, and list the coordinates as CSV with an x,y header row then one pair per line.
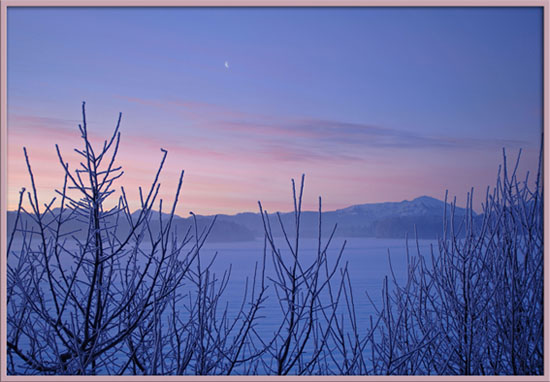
x,y
367,260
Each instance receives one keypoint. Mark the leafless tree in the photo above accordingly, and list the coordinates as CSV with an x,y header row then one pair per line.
x,y
86,296
308,296
474,305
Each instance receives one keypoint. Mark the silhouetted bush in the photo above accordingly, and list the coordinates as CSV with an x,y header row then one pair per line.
x,y
108,302
474,305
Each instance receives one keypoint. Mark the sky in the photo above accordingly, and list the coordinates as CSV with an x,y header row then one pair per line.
x,y
371,104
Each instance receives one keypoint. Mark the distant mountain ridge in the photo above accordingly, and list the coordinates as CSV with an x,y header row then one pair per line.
x,y
422,216
381,220
423,205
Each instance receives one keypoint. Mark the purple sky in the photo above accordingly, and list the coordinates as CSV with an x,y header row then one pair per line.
x,y
371,104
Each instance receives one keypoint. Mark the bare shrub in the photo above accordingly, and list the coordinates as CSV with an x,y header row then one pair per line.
x,y
304,288
474,305
86,296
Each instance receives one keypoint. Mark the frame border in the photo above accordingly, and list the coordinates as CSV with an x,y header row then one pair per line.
x,y
5,4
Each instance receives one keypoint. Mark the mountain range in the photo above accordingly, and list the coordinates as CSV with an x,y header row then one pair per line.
x,y
379,220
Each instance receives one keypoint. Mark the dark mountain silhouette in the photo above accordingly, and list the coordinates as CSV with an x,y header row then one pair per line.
x,y
380,220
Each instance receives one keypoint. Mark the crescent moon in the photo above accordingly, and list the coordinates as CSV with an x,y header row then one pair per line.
x,y
226,64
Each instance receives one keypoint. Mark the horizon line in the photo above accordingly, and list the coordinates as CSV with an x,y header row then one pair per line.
x,y
290,211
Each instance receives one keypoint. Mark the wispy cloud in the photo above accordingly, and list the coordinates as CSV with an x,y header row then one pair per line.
x,y
262,129
34,120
